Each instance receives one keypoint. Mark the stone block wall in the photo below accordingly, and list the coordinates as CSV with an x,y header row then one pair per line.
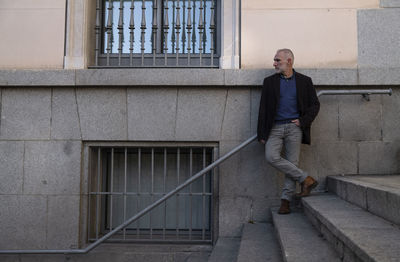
x,y
42,130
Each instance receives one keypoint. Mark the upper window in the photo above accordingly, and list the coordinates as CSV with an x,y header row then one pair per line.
x,y
156,33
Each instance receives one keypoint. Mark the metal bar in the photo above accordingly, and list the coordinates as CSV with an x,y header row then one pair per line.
x,y
190,192
90,174
98,190
205,26
194,28
355,92
152,189
203,197
184,26
109,31
120,30
173,27
111,187
97,32
164,191
135,193
125,180
178,29
212,31
138,195
166,28
143,28
201,30
155,28
189,29
131,33
177,195
172,192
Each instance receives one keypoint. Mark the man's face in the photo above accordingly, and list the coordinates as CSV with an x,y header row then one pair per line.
x,y
281,63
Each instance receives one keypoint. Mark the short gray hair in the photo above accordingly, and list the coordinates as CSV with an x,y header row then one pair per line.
x,y
287,52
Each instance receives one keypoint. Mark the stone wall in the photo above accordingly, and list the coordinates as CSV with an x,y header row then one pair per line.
x,y
42,129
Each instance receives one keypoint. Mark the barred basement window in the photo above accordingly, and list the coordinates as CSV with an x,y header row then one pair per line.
x,y
157,33
125,180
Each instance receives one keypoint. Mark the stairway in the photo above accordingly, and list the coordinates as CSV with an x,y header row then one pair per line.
x,y
358,218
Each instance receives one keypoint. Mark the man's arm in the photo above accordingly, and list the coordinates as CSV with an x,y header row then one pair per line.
x,y
312,109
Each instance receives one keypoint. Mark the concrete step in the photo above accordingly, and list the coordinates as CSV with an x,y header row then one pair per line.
x,y
225,250
356,234
379,195
125,252
259,244
300,241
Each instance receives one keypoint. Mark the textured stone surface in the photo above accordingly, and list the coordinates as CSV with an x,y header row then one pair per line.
x,y
259,244
246,77
18,77
379,157
25,113
11,166
64,115
247,172
102,112
389,3
326,125
200,114
52,167
233,212
145,77
379,76
192,77
390,115
379,195
367,236
254,108
336,158
152,113
331,76
63,222
236,123
353,125
296,235
375,29
225,250
23,222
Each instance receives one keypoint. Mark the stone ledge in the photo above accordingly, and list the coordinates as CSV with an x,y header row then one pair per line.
x,y
191,77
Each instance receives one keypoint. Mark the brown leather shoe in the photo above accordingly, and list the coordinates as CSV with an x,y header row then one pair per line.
x,y
308,184
284,209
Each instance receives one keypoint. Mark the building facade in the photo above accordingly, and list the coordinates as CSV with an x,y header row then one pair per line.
x,y
101,116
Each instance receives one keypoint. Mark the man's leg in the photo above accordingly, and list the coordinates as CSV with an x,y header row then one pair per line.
x,y
273,148
292,145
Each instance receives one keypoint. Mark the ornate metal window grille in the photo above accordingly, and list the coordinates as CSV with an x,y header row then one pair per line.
x,y
125,180
157,33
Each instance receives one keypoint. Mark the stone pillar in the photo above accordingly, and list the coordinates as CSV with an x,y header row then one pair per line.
x,y
230,28
79,29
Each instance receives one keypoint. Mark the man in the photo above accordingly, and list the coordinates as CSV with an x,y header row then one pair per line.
x,y
288,106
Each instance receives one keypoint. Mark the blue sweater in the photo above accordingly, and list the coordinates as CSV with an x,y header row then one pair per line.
x,y
287,107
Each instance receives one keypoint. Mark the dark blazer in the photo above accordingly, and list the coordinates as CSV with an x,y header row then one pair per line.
x,y
307,103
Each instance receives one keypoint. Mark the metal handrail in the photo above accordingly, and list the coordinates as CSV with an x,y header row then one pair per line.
x,y
183,185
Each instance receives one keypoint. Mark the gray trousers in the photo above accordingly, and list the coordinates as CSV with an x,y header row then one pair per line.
x,y
288,136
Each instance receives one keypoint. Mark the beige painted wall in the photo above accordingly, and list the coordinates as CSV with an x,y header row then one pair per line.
x,y
322,33
32,33
307,4
319,38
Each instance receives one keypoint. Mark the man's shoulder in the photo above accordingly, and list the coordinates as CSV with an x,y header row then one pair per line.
x,y
301,76
271,77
